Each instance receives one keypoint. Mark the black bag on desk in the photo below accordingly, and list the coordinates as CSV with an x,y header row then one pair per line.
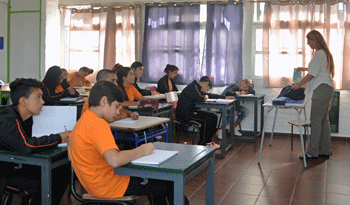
x,y
288,92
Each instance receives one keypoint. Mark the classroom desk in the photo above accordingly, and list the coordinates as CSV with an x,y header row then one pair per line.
x,y
190,160
47,160
256,99
158,97
166,110
298,108
227,110
5,93
143,123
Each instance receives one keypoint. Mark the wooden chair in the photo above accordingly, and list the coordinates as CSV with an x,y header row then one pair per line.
x,y
304,123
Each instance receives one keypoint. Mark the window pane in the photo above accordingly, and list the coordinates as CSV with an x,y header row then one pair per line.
x,y
258,12
258,65
79,59
258,40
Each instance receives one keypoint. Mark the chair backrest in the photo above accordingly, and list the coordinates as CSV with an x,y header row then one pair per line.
x,y
171,97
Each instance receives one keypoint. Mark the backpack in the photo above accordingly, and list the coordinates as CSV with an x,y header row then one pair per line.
x,y
288,92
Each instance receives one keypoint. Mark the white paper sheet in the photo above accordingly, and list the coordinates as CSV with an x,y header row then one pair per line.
x,y
54,119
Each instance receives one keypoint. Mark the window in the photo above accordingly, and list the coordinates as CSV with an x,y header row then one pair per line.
x,y
257,30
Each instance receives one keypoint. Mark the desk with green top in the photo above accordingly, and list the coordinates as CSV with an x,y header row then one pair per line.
x,y
47,160
256,99
5,93
190,160
227,110
166,110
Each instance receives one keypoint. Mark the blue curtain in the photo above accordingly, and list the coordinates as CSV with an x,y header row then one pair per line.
x,y
222,57
171,37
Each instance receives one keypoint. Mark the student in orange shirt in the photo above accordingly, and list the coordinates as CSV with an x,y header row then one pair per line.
x,y
78,78
94,154
54,86
126,79
108,75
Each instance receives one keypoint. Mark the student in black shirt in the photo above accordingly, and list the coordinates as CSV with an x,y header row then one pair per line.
x,y
55,88
16,123
166,83
186,109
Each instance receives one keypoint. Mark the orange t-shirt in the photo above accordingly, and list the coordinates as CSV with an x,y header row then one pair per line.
x,y
133,93
74,79
90,138
86,106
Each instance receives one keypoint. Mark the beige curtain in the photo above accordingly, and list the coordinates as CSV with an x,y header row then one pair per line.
x,y
122,36
100,38
284,38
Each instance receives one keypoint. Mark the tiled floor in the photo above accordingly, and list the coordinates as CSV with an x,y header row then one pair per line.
x,y
279,179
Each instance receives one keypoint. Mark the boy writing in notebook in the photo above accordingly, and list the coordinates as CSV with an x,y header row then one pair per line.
x,y
16,123
94,154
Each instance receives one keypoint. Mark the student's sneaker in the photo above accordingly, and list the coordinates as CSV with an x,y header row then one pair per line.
x,y
237,133
213,144
219,134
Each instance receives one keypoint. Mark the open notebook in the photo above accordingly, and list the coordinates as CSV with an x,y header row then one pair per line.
x,y
156,158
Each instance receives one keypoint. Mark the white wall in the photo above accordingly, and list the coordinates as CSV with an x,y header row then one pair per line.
x,y
3,33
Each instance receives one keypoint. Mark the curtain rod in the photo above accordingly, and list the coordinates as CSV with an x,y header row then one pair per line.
x,y
295,1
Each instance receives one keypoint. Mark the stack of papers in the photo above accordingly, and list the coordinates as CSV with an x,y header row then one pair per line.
x,y
156,158
225,101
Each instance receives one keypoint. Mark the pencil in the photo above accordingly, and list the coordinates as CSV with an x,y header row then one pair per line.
x,y
144,133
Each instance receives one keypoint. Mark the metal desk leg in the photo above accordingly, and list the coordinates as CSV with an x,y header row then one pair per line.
x,y
46,183
273,126
263,134
262,115
232,125
301,138
223,140
255,121
209,187
179,187
171,128
307,128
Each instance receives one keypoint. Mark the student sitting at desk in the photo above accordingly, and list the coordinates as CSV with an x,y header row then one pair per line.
x,y
116,68
166,84
54,87
16,123
137,68
78,78
108,75
94,154
244,87
126,79
186,109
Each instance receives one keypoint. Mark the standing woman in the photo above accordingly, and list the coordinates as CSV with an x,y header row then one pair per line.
x,y
54,88
320,74
166,83
125,81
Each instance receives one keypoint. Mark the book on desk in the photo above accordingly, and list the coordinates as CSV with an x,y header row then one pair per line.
x,y
156,158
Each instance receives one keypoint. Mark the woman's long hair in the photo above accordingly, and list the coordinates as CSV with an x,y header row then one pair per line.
x,y
321,44
123,72
52,77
